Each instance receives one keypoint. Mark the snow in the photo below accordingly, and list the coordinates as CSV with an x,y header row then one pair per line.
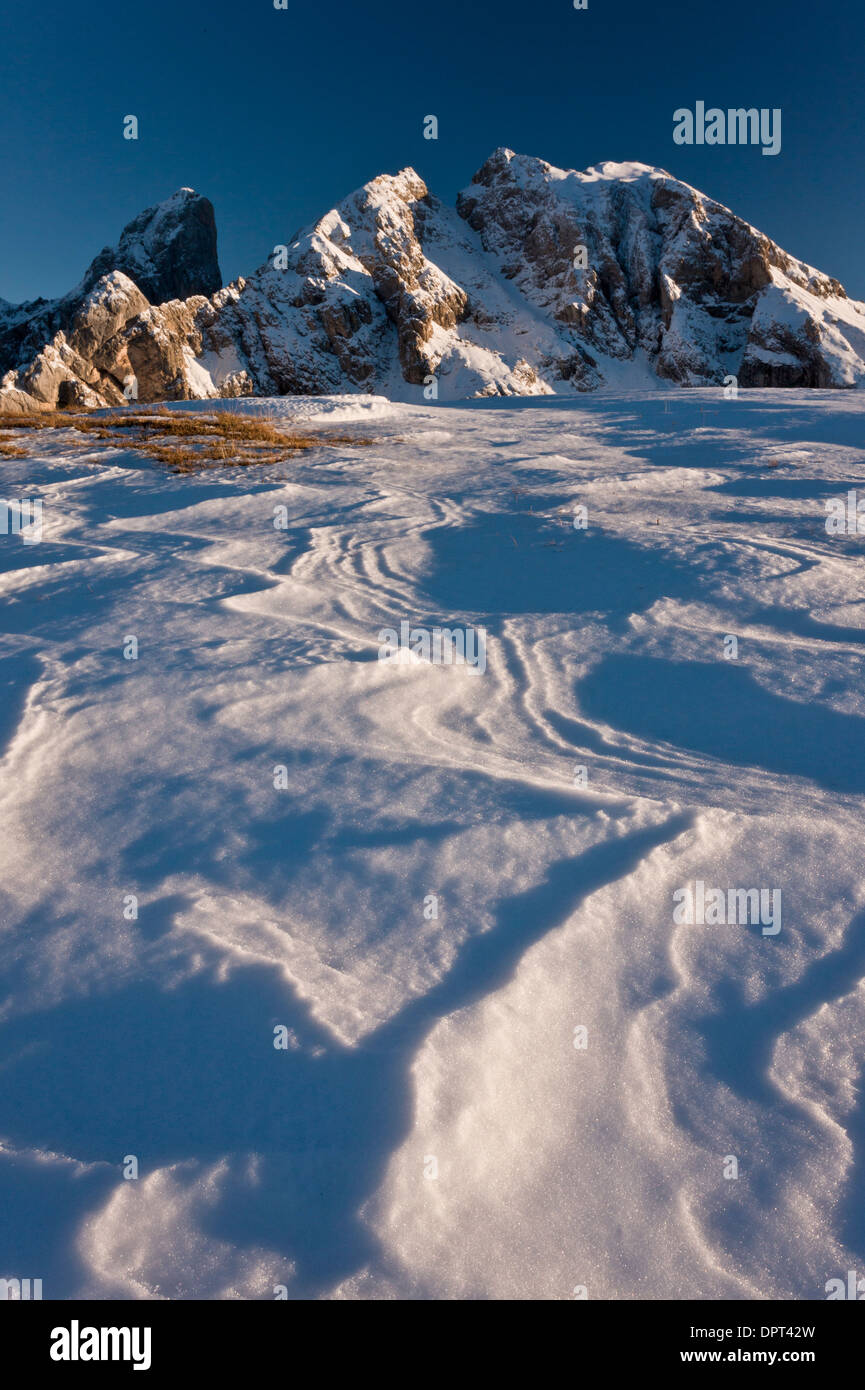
x,y
430,1129
199,377
299,409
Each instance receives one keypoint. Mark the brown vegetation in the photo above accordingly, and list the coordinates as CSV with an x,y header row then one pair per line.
x,y
209,439
8,449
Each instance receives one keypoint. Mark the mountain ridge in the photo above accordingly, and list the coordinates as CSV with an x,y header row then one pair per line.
x,y
540,281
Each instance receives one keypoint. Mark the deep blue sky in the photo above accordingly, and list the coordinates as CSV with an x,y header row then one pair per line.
x,y
276,115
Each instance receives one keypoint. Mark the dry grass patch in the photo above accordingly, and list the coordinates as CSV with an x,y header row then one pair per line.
x,y
210,439
10,450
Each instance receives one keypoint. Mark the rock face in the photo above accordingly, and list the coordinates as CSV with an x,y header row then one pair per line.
x,y
167,251
670,277
540,281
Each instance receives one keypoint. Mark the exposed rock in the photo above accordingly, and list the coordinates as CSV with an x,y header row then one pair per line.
x,y
108,307
169,250
75,393
671,274
541,281
14,401
237,384
161,346
45,374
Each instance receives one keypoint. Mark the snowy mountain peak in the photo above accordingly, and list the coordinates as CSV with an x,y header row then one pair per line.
x,y
542,280
407,184
169,250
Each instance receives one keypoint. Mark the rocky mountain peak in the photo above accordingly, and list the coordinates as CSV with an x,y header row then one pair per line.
x,y
169,250
541,280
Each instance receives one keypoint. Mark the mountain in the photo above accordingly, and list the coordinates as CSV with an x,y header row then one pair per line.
x,y
540,281
166,252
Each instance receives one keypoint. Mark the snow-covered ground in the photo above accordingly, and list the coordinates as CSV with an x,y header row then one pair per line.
x,y
400,866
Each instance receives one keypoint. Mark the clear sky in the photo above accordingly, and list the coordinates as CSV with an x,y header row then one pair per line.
x,y
277,114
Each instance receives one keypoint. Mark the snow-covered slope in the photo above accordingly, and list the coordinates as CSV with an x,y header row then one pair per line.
x,y
543,281
240,832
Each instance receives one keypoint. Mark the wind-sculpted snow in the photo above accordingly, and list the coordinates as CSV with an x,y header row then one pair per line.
x,y
508,1067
